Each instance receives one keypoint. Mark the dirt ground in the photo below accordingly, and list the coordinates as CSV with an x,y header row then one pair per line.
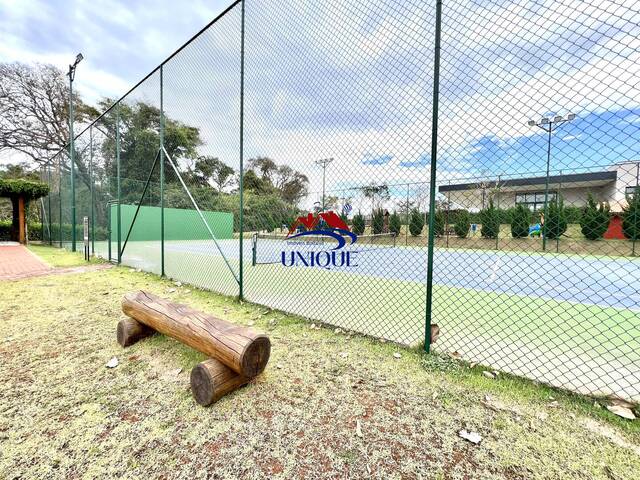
x,y
329,405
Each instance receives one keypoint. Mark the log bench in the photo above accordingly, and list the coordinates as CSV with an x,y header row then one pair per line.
x,y
238,354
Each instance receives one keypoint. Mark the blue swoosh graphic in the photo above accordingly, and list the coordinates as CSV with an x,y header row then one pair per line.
x,y
336,234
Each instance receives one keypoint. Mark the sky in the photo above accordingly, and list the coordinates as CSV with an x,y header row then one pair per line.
x,y
352,80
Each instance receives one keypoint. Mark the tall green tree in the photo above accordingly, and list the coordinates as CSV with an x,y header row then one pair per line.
x,y
395,224
555,222
357,225
490,219
631,216
595,219
377,221
520,220
463,224
416,222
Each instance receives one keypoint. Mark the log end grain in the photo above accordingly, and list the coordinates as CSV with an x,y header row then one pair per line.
x,y
256,356
129,331
211,380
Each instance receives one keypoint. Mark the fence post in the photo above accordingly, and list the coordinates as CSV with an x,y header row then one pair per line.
x,y
93,206
162,170
118,210
432,182
49,201
60,200
406,228
241,220
499,214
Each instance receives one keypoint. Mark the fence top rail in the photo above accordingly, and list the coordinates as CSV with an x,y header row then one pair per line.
x,y
176,52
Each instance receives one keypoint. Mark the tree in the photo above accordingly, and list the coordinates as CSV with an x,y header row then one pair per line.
x,y
358,224
377,221
520,218
212,171
595,219
34,110
631,216
439,224
416,223
555,222
395,224
377,193
463,224
490,221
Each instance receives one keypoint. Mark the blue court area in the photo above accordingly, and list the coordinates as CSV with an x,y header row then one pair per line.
x,y
605,281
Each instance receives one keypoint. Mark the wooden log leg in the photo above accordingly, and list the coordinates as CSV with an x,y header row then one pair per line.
x,y
212,379
130,331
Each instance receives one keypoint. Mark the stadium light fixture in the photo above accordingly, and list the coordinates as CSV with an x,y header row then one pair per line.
x,y
72,75
549,125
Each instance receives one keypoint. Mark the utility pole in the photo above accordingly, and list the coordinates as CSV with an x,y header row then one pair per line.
x,y
323,163
72,74
549,124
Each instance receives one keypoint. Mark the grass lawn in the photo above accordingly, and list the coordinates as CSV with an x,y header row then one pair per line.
x,y
64,415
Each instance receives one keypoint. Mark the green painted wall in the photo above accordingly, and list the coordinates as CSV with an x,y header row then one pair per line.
x,y
179,224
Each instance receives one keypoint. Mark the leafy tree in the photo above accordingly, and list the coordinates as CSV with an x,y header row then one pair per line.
x,y
595,219
212,171
34,110
395,224
463,224
377,221
439,223
555,222
631,216
490,219
520,218
416,223
377,193
358,224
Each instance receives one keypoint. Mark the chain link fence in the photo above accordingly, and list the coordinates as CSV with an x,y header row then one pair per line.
x,y
285,154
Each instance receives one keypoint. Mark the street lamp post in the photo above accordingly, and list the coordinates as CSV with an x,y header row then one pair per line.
x,y
323,163
71,74
549,124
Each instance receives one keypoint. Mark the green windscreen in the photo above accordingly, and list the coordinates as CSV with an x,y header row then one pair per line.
x,y
180,224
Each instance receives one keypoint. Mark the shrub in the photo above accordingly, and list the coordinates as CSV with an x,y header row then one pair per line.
x,y
377,221
416,223
463,224
520,222
555,223
595,219
439,223
395,224
490,218
631,217
358,224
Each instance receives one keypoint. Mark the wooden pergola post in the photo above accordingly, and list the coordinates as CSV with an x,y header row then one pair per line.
x,y
22,221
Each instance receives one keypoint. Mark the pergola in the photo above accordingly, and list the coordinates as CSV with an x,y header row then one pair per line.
x,y
21,192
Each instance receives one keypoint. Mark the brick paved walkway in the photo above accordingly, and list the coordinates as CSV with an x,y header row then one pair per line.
x,y
18,262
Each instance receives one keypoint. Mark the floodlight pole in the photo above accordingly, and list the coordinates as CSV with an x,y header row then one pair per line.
x,y
324,162
71,74
549,125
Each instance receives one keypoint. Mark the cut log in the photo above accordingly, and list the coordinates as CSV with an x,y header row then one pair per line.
x,y
130,331
239,348
211,380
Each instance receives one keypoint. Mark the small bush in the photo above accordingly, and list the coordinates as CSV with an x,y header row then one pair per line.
x,y
395,225
490,218
377,221
439,223
463,224
631,217
555,224
520,222
358,224
595,219
416,223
